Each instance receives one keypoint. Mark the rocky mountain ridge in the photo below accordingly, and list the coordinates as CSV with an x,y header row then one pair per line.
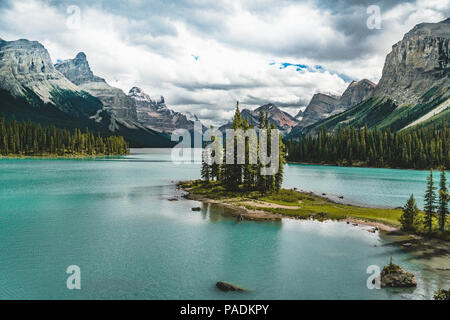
x,y
282,120
417,63
414,88
323,105
155,114
78,71
32,88
26,65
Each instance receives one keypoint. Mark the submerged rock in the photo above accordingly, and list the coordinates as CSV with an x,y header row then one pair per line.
x,y
196,209
225,286
395,276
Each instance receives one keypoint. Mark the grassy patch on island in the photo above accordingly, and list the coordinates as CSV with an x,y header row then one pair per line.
x,y
303,205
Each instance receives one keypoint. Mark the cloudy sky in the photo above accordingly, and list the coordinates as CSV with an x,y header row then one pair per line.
x,y
204,55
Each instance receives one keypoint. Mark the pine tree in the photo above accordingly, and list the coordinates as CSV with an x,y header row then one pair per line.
x,y
216,168
430,203
236,169
409,217
26,138
282,161
260,178
206,168
247,170
443,200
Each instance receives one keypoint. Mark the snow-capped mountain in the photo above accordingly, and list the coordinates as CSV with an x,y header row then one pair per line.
x,y
155,114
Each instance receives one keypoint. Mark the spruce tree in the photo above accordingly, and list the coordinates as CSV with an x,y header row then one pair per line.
x,y
281,162
260,178
216,167
206,168
409,217
247,167
236,169
430,203
443,200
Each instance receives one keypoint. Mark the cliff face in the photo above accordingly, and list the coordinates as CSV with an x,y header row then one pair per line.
x,y
416,64
26,66
32,88
323,106
320,107
154,114
114,99
414,88
78,70
356,92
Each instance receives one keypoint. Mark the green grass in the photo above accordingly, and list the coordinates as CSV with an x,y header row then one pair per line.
x,y
311,206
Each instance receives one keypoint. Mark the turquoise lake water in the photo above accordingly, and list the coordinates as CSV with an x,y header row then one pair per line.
x,y
112,218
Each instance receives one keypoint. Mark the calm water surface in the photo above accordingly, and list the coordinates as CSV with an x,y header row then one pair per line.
x,y
112,218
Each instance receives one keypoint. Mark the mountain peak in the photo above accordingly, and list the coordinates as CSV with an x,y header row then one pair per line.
x,y
78,70
135,91
268,107
139,94
418,62
26,65
440,29
367,81
81,56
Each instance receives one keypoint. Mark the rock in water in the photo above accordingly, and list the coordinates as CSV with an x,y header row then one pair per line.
x,y
395,276
225,286
196,209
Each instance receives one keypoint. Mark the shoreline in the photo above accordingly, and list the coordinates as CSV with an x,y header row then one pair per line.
x,y
236,211
56,157
354,166
245,213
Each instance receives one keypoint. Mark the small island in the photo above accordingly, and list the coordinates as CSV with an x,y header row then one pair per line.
x,y
288,203
242,187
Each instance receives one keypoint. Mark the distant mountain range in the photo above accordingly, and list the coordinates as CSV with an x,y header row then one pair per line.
x,y
155,115
32,88
69,95
414,89
282,120
324,105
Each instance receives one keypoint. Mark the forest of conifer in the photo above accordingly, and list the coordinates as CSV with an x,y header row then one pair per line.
x,y
29,139
418,148
246,177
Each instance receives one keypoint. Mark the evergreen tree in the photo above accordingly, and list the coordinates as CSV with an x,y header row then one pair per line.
x,y
248,177
281,162
430,203
443,201
409,217
247,168
236,169
216,168
206,168
417,148
260,179
28,139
